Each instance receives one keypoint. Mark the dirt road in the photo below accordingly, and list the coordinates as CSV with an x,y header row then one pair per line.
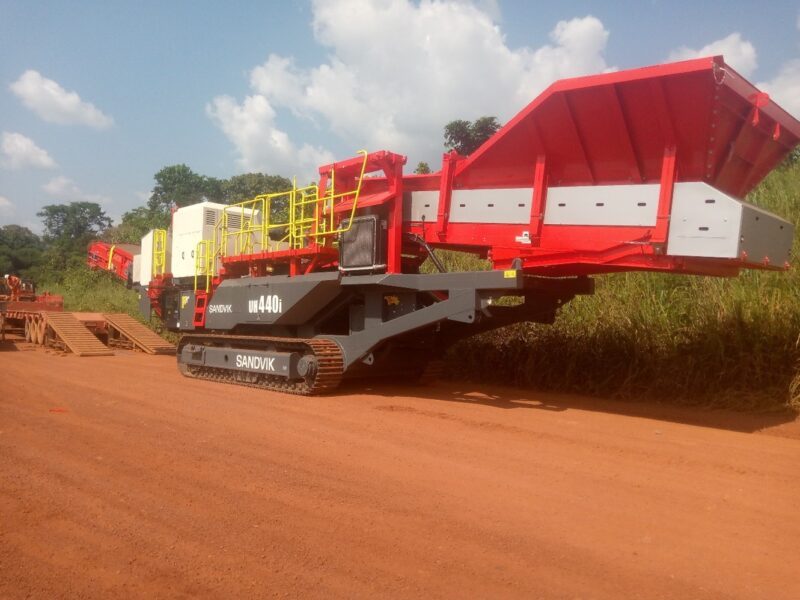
x,y
119,478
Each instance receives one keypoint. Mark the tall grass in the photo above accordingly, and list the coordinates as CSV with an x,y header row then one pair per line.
x,y
687,339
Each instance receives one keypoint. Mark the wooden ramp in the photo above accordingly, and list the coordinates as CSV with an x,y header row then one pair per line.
x,y
125,331
74,335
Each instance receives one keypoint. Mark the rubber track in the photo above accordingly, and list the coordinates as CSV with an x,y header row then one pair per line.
x,y
330,364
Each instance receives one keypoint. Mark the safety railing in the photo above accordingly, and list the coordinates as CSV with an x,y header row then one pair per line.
x,y
159,251
201,269
291,220
326,219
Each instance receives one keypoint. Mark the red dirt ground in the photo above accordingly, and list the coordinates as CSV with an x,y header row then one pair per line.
x,y
119,478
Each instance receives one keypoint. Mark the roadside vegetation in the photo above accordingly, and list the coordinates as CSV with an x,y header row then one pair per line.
x,y
93,291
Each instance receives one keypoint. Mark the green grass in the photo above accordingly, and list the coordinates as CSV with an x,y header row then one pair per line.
x,y
93,291
686,339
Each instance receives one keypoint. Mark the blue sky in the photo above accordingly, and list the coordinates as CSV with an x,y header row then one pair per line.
x,y
281,87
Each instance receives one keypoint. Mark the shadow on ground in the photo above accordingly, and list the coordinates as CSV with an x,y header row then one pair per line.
x,y
508,398
8,346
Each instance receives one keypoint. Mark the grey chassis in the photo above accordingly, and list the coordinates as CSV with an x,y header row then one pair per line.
x,y
303,334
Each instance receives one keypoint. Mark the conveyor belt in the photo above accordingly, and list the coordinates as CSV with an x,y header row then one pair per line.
x,y
125,327
74,335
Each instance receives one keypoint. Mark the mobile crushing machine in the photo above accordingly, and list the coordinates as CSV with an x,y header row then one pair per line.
x,y
644,169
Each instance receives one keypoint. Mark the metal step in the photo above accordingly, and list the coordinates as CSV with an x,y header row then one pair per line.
x,y
74,335
123,326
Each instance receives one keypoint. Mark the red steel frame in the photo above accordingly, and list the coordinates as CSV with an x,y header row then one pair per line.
x,y
118,259
694,120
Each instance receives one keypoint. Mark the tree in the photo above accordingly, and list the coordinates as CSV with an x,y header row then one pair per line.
x,y
465,137
180,186
73,221
20,249
245,187
68,228
135,224
422,168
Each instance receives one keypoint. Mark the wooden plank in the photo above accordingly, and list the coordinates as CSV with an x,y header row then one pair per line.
x,y
74,335
138,334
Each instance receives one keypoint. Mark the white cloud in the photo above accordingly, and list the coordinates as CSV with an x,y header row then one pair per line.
x,y
18,152
784,88
6,206
260,144
455,63
54,104
67,191
738,53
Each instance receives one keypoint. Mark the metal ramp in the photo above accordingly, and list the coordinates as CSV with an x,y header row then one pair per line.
x,y
74,335
126,332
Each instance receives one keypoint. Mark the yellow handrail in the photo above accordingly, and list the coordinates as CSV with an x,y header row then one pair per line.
x,y
199,263
332,198
111,256
308,217
159,251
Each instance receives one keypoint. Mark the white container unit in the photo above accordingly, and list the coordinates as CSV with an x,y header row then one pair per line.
x,y
192,224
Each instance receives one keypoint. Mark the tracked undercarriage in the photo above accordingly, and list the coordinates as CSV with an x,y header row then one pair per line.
x,y
314,366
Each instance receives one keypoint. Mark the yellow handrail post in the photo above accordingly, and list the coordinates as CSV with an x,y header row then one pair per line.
x,y
159,251
199,261
332,199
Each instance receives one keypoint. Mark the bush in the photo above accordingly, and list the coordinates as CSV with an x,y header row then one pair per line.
x,y
85,290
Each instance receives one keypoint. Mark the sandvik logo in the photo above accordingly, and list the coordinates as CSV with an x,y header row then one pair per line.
x,y
220,308
255,363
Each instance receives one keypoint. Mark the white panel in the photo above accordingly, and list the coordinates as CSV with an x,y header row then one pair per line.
x,y
632,205
704,222
137,261
191,225
146,259
765,236
184,246
421,206
506,205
